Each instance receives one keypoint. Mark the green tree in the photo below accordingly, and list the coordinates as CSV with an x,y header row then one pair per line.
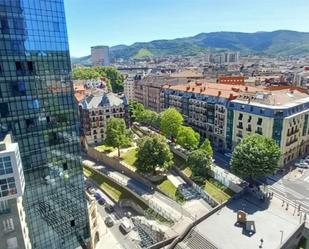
x,y
148,117
199,161
117,134
85,73
114,77
170,122
136,110
187,137
206,146
153,152
255,156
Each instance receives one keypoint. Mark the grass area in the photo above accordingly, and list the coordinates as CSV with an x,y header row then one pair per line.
x,y
168,188
151,214
105,148
216,192
187,171
115,193
130,157
302,243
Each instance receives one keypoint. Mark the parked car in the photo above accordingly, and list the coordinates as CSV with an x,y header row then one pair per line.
x,y
125,226
109,208
102,201
109,221
302,165
98,196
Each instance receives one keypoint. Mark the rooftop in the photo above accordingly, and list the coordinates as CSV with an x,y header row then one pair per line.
x,y
275,96
221,231
101,99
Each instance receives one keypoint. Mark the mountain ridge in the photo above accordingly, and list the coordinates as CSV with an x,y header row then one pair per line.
x,y
279,42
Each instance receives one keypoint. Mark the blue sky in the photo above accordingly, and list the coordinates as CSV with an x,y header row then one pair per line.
x,y
114,22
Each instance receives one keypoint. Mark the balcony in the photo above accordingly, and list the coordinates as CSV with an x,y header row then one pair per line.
x,y
240,127
249,129
292,132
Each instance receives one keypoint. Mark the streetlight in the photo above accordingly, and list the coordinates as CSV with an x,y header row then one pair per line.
x,y
281,231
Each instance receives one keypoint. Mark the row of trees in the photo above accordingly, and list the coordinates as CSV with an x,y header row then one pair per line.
x,y
170,122
255,156
115,78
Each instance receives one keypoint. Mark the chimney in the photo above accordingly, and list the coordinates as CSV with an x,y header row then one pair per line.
x,y
231,96
188,88
219,93
246,88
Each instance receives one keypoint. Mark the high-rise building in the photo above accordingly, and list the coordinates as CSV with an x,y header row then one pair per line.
x,y
37,106
100,55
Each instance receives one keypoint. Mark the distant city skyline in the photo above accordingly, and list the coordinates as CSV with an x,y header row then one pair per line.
x,y
115,22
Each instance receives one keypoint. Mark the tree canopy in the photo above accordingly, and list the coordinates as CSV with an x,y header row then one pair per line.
x,y
255,156
115,78
170,122
142,115
199,161
187,137
117,134
206,146
153,152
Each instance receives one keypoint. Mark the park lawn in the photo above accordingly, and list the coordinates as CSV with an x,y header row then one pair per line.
x,y
187,171
168,188
114,192
105,148
129,157
216,192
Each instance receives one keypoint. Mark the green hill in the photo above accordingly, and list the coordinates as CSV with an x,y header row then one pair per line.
x,y
143,53
280,42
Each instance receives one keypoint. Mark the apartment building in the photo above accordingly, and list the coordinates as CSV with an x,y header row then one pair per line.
x,y
128,87
147,90
14,230
95,110
226,113
100,56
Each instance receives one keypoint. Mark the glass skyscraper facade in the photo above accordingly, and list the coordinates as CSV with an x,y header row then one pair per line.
x,y
37,106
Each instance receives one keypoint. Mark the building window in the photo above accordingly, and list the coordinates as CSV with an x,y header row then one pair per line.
x,y
19,67
5,166
259,122
30,65
7,187
4,25
240,116
249,119
8,225
259,130
4,110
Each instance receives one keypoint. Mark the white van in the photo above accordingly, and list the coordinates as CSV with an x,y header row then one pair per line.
x,y
125,226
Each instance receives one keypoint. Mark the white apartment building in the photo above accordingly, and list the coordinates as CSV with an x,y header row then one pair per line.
x,y
128,88
95,110
14,230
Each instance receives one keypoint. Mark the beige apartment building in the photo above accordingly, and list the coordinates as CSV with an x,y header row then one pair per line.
x,y
227,113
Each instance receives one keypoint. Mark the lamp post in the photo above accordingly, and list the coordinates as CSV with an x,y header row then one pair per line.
x,y
281,239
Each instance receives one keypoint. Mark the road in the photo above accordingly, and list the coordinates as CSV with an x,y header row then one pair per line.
x,y
112,235
157,201
294,186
